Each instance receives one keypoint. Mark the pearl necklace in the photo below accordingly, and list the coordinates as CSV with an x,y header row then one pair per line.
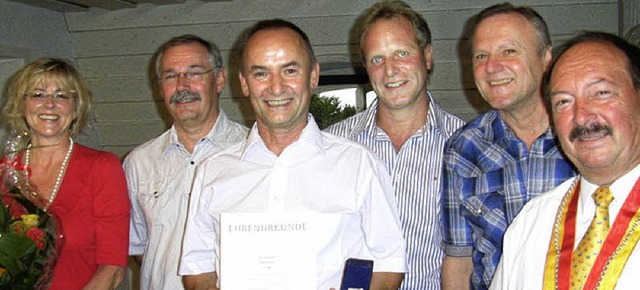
x,y
63,168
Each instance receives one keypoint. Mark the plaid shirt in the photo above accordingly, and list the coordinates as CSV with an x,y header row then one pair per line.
x,y
489,174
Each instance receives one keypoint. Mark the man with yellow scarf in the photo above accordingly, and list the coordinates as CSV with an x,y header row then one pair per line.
x,y
583,234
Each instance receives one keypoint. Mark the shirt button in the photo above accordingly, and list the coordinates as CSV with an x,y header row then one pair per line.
x,y
192,162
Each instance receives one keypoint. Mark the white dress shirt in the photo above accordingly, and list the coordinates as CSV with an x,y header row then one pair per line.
x,y
159,177
526,241
319,173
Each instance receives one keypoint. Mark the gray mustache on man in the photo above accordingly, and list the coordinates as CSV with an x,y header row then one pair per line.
x,y
184,96
592,128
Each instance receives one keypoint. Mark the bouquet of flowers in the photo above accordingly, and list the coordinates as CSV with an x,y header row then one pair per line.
x,y
28,235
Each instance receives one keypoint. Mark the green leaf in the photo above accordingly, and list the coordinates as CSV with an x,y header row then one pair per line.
x,y
14,249
5,281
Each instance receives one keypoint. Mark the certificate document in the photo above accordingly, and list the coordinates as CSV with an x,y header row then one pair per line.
x,y
262,251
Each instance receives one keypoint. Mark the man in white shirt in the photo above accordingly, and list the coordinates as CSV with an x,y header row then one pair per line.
x,y
288,166
583,234
160,172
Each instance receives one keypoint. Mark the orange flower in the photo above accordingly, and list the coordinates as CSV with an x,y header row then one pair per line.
x,y
17,227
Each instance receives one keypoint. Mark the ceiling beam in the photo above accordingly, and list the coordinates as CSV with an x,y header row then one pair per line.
x,y
54,5
157,2
109,5
85,5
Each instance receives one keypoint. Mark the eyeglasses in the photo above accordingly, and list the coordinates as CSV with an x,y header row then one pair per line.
x,y
194,76
60,97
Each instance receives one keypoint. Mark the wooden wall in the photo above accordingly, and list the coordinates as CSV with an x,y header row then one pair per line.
x,y
26,33
114,50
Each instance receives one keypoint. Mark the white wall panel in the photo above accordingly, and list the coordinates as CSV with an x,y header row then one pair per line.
x,y
115,48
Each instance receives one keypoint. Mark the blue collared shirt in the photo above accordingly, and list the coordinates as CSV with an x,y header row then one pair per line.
x,y
415,170
489,175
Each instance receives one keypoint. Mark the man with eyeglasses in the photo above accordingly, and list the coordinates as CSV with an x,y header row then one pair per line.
x,y
160,172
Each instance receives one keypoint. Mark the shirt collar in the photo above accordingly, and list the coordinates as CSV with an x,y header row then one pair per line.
x,y
435,114
438,118
311,136
215,135
619,188
505,136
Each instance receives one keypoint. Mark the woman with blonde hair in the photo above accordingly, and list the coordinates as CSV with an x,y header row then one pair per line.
x,y
84,188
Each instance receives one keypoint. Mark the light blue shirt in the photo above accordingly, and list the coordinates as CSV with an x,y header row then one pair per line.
x,y
159,177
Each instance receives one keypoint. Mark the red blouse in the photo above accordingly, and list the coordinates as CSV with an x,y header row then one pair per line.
x,y
92,207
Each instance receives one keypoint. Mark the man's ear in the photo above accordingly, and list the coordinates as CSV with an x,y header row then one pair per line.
x,y
315,76
428,57
547,56
243,84
221,79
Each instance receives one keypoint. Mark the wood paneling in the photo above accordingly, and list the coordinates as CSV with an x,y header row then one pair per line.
x,y
114,49
85,5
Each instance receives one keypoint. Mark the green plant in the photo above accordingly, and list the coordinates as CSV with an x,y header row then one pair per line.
x,y
327,110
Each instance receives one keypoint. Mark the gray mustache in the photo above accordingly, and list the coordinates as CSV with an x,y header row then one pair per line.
x,y
588,129
184,96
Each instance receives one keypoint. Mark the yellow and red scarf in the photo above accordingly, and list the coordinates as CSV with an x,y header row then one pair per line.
x,y
615,252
